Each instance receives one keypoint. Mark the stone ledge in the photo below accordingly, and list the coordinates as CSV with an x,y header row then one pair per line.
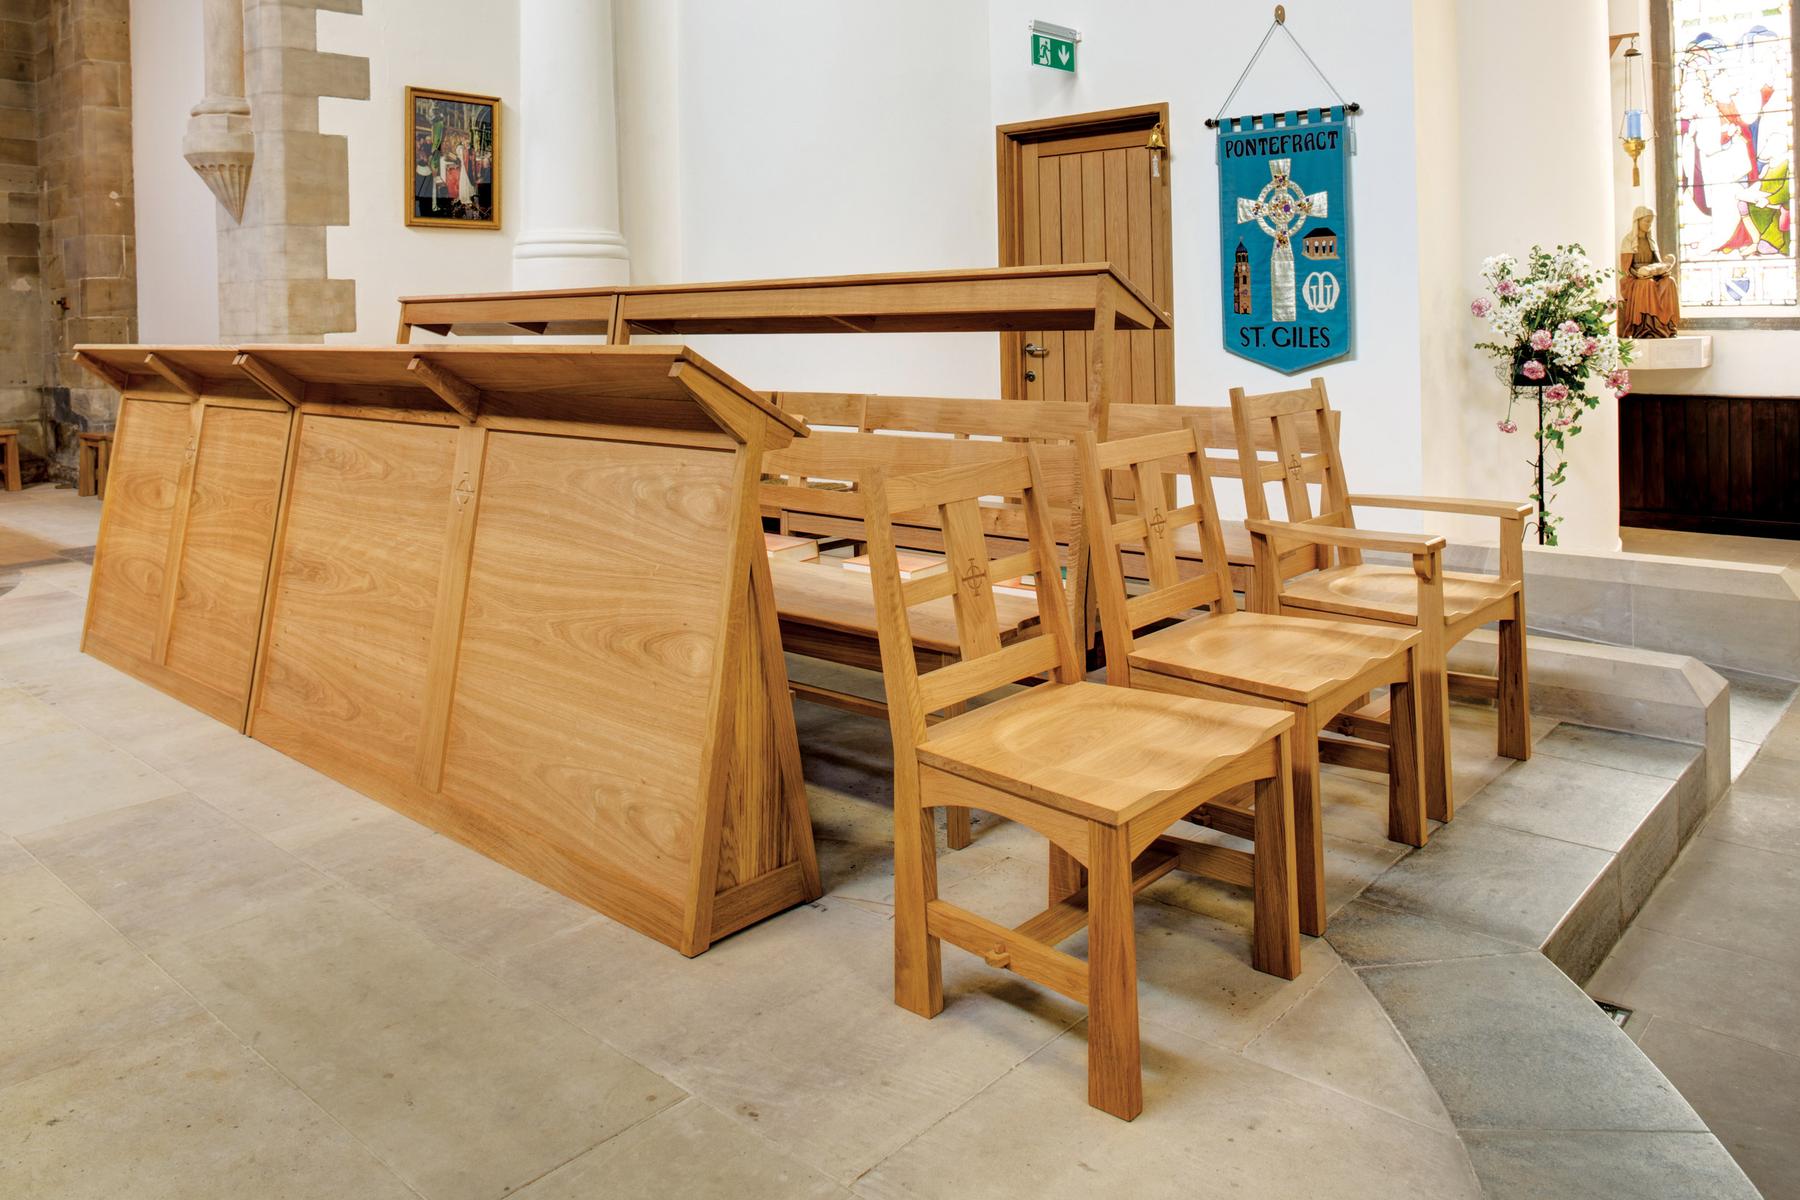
x,y
1745,616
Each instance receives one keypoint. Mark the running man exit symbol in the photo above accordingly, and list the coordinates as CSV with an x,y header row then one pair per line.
x,y
1053,46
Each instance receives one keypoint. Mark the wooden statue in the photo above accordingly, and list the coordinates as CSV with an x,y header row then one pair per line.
x,y
1648,304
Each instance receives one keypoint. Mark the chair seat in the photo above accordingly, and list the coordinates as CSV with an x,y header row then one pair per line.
x,y
1296,660
1102,753
1383,593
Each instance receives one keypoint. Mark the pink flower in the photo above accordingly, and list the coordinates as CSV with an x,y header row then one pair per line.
x,y
1542,339
1620,382
1507,287
1590,347
1568,327
1563,422
1579,281
1556,393
1507,426
1481,306
1532,370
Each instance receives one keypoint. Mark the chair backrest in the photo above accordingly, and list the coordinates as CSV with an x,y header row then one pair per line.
x,y
953,496
821,510
1287,424
1150,529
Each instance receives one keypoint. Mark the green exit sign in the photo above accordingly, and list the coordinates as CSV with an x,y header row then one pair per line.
x,y
1053,46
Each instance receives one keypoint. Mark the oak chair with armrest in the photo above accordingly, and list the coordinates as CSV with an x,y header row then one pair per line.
x,y
1312,669
1101,772
1445,606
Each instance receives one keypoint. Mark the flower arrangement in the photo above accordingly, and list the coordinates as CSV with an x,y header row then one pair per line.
x,y
1551,330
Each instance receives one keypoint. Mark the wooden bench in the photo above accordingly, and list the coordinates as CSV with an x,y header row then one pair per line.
x,y
93,462
9,458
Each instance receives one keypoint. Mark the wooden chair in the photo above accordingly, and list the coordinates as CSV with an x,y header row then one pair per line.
x,y
1444,606
9,459
1101,772
93,462
828,613
1312,669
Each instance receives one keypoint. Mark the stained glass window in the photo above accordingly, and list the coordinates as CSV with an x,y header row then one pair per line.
x,y
1732,72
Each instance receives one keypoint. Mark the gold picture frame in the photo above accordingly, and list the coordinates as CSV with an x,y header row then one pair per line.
x,y
452,159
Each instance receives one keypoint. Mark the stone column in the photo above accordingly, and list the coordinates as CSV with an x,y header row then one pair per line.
x,y
567,194
219,145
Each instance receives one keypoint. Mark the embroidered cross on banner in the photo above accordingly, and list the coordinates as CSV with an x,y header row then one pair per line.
x,y
1278,210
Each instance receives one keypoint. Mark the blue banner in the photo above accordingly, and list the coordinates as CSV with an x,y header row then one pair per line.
x,y
1284,236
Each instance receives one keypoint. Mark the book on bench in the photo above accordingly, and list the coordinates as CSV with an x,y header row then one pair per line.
x,y
780,545
912,566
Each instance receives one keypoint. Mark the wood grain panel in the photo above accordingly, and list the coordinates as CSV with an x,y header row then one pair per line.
x,y
355,590
1716,464
125,598
597,747
230,520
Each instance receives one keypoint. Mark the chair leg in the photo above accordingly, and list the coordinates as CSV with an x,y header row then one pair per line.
x,y
958,832
1309,828
85,469
1115,1072
918,957
13,482
1434,729
1513,700
1067,875
1275,946
1406,795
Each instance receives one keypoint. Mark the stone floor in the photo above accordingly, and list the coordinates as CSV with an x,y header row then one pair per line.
x,y
225,975
1709,968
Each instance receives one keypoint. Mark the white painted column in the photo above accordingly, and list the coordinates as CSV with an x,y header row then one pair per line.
x,y
1533,163
567,190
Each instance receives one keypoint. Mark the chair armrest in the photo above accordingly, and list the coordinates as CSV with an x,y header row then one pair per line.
x,y
1504,509
1355,539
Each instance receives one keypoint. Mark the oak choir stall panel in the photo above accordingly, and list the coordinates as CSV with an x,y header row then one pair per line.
x,y
183,550
515,592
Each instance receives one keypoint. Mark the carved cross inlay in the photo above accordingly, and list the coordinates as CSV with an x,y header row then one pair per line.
x,y
975,575
1294,470
1157,522
464,491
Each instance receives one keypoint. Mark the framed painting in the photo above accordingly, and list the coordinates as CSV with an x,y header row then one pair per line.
x,y
453,159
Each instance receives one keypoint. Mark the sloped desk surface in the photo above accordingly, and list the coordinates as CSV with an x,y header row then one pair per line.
x,y
981,300
516,592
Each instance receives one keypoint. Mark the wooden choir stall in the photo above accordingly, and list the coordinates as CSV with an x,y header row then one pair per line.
x,y
517,593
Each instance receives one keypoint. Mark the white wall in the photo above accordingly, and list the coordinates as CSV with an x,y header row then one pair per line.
x,y
817,137
1189,55
177,251
457,45
1531,166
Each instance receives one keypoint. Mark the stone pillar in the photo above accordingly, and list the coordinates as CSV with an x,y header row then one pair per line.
x,y
568,184
274,285
219,145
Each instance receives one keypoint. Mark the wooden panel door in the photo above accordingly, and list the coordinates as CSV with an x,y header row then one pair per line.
x,y
1082,189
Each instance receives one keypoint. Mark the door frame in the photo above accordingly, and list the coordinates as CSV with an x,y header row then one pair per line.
x,y
1015,151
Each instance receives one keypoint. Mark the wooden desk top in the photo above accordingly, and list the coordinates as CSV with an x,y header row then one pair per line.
x,y
981,299
550,381
827,595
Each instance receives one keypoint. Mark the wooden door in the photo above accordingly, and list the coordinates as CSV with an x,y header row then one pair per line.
x,y
1083,189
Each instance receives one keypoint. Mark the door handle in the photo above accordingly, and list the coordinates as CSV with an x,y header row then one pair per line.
x,y
1036,351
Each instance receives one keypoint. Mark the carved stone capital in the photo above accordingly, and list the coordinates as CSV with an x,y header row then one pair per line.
x,y
220,148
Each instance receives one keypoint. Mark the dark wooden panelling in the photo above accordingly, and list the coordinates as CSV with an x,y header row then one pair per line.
x,y
1717,464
